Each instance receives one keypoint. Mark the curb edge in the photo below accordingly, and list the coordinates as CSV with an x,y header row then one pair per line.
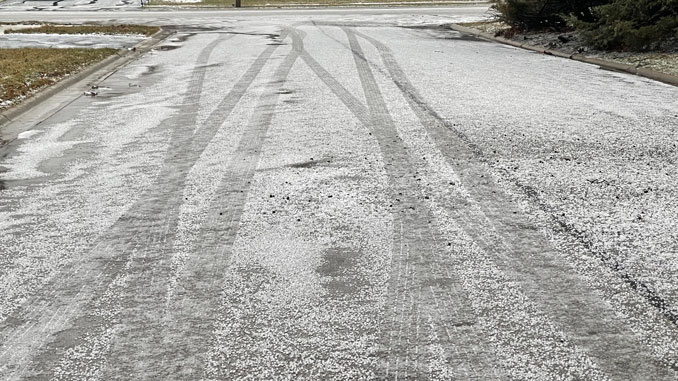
x,y
107,66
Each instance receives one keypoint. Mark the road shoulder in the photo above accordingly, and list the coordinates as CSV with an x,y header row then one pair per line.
x,y
604,64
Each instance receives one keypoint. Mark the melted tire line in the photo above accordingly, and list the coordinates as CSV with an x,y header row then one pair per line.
x,y
112,251
202,282
416,235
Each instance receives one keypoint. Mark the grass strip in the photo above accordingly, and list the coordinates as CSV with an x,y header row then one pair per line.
x,y
26,70
89,29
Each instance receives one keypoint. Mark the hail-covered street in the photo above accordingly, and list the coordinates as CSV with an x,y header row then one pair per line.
x,y
340,195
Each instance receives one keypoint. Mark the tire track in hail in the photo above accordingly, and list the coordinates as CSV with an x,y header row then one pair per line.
x,y
518,247
154,285
449,302
73,287
190,318
467,259
146,306
87,282
203,281
416,100
420,286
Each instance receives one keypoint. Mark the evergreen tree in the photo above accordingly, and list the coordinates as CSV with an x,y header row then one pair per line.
x,y
630,24
535,14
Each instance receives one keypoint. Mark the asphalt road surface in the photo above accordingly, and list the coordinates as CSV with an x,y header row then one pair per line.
x,y
341,195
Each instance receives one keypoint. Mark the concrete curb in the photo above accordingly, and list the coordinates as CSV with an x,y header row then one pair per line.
x,y
643,72
99,70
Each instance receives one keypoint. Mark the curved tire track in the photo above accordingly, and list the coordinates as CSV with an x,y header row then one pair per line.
x,y
147,227
193,315
425,300
520,248
71,289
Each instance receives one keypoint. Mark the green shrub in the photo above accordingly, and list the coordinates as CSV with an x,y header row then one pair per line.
x,y
538,14
630,24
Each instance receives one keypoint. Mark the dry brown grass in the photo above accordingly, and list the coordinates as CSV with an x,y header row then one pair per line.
x,y
89,29
25,70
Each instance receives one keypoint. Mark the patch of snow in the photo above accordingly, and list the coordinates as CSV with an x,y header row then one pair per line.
x,y
35,151
28,134
62,41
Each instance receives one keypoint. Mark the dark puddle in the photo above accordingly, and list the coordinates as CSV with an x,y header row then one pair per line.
x,y
271,36
453,35
442,32
168,47
305,164
182,37
344,287
150,70
464,324
338,261
216,64
71,336
3,183
109,94
339,270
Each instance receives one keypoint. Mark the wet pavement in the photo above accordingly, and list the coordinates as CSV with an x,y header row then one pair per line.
x,y
341,196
